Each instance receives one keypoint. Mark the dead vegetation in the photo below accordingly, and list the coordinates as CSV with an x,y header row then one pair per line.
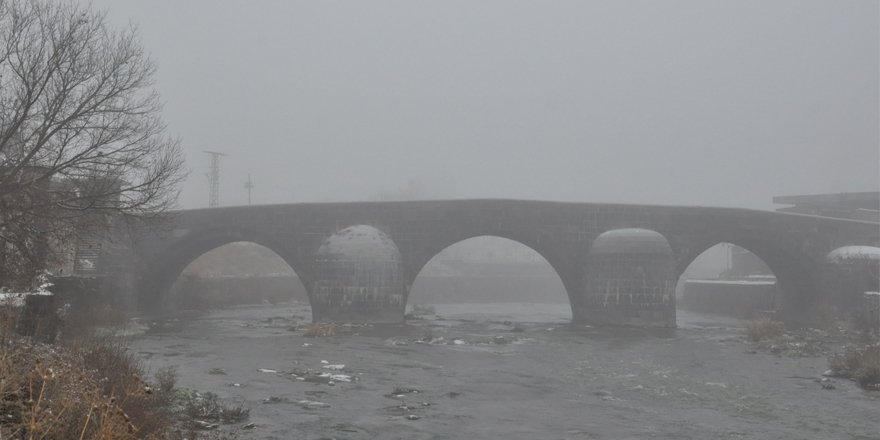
x,y
861,364
208,407
88,391
320,329
93,388
763,329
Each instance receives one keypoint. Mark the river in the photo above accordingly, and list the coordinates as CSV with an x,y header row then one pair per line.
x,y
503,371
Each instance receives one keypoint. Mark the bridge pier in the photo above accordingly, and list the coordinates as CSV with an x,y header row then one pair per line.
x,y
357,276
630,280
361,292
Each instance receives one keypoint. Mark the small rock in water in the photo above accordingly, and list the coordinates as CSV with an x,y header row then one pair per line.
x,y
412,417
500,340
201,424
312,404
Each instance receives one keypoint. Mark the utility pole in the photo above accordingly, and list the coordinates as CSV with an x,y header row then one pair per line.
x,y
249,185
214,179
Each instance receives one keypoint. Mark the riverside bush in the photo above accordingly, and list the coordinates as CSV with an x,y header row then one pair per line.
x,y
764,328
861,364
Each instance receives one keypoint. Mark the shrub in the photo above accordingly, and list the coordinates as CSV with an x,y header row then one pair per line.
x,y
320,329
90,388
764,328
859,364
208,407
56,392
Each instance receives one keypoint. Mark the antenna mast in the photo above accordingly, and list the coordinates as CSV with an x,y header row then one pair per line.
x,y
214,179
249,185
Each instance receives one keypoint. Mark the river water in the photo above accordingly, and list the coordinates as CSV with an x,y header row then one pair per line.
x,y
503,371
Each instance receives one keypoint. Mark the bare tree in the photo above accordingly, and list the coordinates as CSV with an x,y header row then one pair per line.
x,y
81,135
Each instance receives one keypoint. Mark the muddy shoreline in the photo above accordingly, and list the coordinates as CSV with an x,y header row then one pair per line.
x,y
491,372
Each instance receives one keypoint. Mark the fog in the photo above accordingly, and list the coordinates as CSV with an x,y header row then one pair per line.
x,y
674,102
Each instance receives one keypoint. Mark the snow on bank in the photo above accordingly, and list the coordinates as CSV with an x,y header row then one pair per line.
x,y
17,298
735,282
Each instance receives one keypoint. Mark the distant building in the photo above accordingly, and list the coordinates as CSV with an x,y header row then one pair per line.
x,y
863,206
77,249
857,206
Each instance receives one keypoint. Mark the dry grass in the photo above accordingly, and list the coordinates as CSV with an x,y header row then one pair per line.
x,y
208,407
763,329
320,329
88,389
860,364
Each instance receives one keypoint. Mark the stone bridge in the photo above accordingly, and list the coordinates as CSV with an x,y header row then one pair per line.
x,y
618,263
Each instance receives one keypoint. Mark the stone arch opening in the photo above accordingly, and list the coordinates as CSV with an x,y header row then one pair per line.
x,y
629,280
729,280
797,280
164,269
488,276
235,273
357,276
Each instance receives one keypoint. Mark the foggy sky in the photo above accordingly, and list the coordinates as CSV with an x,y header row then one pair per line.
x,y
723,103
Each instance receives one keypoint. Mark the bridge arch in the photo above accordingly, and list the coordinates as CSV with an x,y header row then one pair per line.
x,y
795,272
493,264
236,273
729,280
156,281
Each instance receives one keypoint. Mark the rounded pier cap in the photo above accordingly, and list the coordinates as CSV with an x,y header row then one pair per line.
x,y
359,243
630,241
854,255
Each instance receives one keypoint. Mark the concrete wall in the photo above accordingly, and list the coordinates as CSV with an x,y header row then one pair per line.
x,y
741,299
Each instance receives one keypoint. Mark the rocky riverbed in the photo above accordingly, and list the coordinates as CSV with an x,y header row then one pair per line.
x,y
512,371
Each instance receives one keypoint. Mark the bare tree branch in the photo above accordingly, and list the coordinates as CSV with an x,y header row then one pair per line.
x,y
81,134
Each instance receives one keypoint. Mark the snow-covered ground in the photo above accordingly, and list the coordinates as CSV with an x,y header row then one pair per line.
x,y
17,298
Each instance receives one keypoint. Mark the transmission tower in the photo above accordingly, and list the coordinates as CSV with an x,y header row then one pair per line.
x,y
214,179
249,185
